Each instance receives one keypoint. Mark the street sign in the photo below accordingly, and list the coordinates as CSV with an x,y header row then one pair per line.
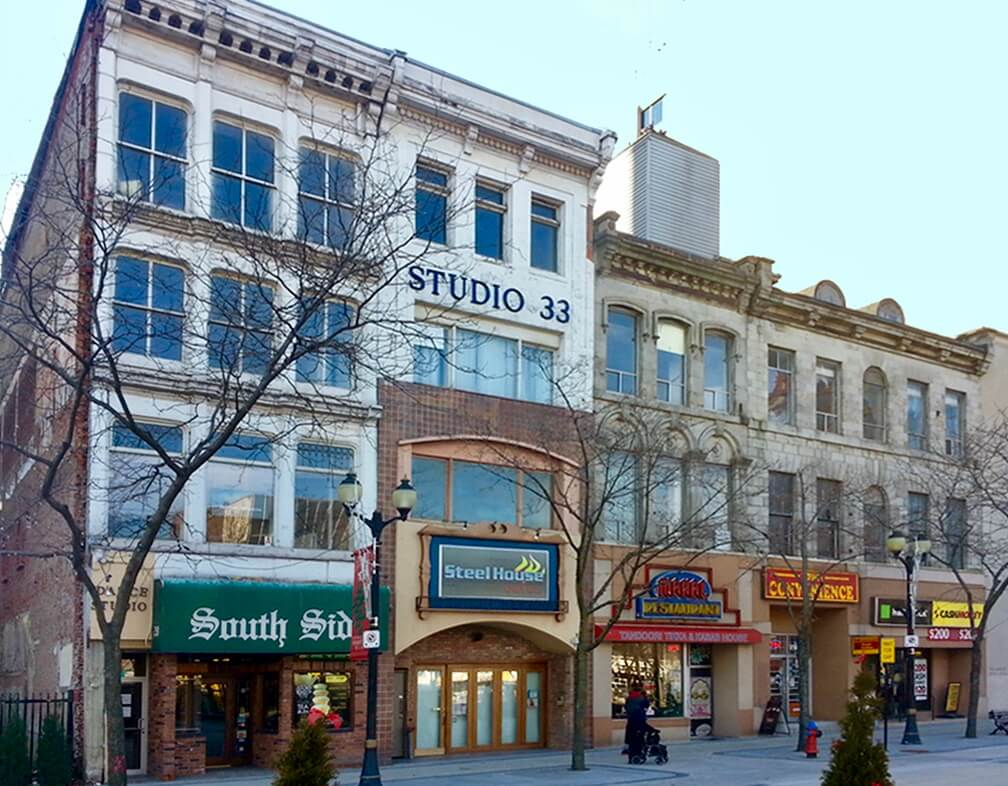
x,y
371,639
887,650
911,641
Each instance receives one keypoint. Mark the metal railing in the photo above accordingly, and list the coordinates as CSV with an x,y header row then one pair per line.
x,y
33,710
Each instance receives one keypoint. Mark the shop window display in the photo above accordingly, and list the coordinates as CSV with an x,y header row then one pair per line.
x,y
324,694
658,667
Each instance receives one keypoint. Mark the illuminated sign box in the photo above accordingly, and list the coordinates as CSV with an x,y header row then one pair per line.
x,y
468,573
785,584
679,594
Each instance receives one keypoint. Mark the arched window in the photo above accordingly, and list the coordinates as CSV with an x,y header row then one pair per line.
x,y
621,352
717,370
876,524
828,292
671,383
874,405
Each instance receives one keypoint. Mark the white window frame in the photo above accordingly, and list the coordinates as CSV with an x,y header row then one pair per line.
x,y
828,422
153,152
555,223
242,176
493,207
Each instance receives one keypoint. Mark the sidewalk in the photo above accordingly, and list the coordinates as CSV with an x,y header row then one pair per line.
x,y
748,761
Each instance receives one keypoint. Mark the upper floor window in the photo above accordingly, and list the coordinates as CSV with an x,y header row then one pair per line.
x,y
243,176
139,478
671,347
954,533
780,386
918,517
147,308
152,151
828,396
545,234
431,203
715,498
621,352
320,520
484,363
917,423
828,498
876,524
471,492
664,511
329,326
955,413
326,193
241,325
239,489
491,209
619,490
717,371
873,405
782,510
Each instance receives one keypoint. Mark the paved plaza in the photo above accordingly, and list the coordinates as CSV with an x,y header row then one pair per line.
x,y
945,758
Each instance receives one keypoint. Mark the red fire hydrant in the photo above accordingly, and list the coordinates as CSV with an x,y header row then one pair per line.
x,y
812,735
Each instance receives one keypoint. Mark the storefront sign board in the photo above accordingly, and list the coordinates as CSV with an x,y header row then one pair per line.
x,y
468,573
785,584
864,645
107,574
892,611
955,614
952,692
950,634
679,594
669,634
920,679
887,650
255,617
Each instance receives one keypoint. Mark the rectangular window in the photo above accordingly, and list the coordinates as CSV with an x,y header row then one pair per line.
x,y
431,204
873,405
657,668
152,151
917,404
491,208
782,505
320,520
330,692
537,374
828,396
713,529
955,412
326,198
328,327
482,493
430,359
956,545
620,493
545,234
139,478
876,524
671,362
147,308
780,386
664,500
717,371
486,364
621,352
239,483
918,514
241,324
828,496
243,176
188,702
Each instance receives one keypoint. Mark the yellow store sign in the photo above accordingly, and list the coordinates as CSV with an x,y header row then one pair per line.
x,y
954,614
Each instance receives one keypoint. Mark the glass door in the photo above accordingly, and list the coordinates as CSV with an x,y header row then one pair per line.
x,y
132,697
459,709
533,707
429,712
214,720
484,709
509,707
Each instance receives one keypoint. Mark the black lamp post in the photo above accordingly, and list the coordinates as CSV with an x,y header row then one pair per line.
x,y
403,500
909,553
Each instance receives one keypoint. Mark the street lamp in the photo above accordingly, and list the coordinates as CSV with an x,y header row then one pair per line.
x,y
909,552
403,500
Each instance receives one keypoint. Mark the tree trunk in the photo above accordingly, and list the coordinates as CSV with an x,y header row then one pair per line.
x,y
582,714
976,664
115,737
804,716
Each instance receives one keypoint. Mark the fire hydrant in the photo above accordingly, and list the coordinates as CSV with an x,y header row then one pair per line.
x,y
812,735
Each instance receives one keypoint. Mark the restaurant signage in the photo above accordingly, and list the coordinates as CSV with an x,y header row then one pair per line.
x,y
678,594
255,617
669,634
955,614
468,573
892,611
786,584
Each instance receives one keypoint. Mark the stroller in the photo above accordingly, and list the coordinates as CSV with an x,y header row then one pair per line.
x,y
647,744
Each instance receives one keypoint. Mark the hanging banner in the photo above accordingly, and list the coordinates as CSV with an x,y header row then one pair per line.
x,y
360,602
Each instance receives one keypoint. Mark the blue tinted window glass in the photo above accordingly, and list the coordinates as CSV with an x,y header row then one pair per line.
x,y
258,206
432,176
489,233
429,366
129,333
621,342
225,299
258,306
259,156
544,246
328,457
135,120
168,437
134,173
169,183
429,478
537,374
166,336
311,220
225,202
227,147
311,172
546,211
481,492
256,352
340,220
247,447
131,280
537,491
166,290
430,216
223,346
341,180
170,131
490,194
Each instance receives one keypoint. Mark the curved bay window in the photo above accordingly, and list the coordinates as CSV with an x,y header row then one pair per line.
x,y
659,670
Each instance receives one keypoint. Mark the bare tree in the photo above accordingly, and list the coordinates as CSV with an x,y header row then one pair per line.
x,y
177,337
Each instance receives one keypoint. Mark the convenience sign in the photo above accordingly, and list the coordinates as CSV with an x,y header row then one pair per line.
x,y
785,584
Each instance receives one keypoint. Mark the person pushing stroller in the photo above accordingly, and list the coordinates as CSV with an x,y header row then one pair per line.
x,y
641,740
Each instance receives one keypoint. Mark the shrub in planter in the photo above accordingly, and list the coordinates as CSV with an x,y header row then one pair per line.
x,y
306,762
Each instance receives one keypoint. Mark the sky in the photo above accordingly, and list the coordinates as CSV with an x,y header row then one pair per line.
x,y
863,142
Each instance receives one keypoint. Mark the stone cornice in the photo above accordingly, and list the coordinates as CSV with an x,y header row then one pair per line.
x,y
747,285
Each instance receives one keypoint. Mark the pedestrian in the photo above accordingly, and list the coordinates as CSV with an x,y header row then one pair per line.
x,y
636,708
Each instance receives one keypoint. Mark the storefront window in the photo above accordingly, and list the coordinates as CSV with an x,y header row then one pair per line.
x,y
188,700
327,692
784,673
657,667
320,520
240,492
271,702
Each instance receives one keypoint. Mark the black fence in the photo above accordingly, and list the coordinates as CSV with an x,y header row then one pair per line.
x,y
34,710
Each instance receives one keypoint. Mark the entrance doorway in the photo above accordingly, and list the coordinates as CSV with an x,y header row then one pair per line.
x,y
472,708
225,712
134,707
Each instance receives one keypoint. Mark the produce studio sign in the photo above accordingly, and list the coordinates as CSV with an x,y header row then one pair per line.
x,y
679,594
470,573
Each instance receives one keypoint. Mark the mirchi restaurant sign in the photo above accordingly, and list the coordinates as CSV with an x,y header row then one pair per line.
x,y
679,594
785,584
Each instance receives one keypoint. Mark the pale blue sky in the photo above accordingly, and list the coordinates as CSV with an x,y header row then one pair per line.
x,y
859,141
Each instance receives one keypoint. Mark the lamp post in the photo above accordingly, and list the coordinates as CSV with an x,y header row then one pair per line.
x,y
403,500
909,552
